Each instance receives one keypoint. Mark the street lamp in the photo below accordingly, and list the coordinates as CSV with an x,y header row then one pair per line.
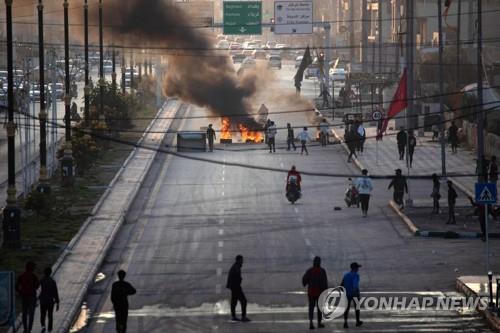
x,y
101,62
87,82
43,187
11,213
67,160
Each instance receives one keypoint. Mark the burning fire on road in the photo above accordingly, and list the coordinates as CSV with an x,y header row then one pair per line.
x,y
247,135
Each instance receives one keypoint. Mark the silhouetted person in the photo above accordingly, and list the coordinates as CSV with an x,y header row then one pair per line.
x,y
351,142
400,186
401,139
120,291
27,284
412,143
351,284
234,284
49,296
436,186
452,199
326,95
290,139
453,137
364,186
211,137
493,170
271,137
316,281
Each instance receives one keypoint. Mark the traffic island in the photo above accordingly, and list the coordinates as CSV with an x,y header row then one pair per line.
x,y
420,221
477,287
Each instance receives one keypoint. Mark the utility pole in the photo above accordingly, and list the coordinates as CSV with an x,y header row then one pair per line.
x,y
43,187
480,115
67,160
11,213
123,71
441,89
410,109
364,36
113,74
101,63
87,82
380,36
131,73
352,46
459,22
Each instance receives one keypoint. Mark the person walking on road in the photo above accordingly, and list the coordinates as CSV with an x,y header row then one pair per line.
x,y
316,281
350,282
493,170
290,139
402,139
324,129
266,126
234,284
49,296
452,199
211,138
400,187
361,132
326,96
350,140
120,291
304,137
364,186
453,137
271,137
412,143
26,286
436,186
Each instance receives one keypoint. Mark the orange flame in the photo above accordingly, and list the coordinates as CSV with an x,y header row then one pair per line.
x,y
225,130
249,136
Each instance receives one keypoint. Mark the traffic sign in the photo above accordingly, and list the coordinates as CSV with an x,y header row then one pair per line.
x,y
376,115
293,17
242,17
486,193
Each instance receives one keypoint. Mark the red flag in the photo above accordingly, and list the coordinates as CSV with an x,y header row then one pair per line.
x,y
398,103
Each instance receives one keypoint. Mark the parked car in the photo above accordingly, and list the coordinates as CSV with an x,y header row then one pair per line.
x,y
274,62
259,54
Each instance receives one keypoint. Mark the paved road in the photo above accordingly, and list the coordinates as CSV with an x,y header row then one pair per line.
x,y
192,218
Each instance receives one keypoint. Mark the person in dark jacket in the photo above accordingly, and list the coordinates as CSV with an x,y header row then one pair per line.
x,y
436,185
452,198
351,141
493,170
211,138
400,187
316,281
412,143
290,139
49,296
402,139
234,284
120,291
453,137
26,286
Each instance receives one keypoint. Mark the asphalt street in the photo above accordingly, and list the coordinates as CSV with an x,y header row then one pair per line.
x,y
192,218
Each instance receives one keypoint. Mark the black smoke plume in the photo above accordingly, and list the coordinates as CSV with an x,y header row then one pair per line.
x,y
196,73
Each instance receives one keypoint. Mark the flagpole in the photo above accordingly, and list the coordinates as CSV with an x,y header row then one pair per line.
x,y
409,65
441,90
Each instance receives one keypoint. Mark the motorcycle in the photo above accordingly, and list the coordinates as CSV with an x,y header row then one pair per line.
x,y
292,190
351,195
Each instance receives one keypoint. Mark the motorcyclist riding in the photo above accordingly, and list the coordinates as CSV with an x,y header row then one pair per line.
x,y
293,173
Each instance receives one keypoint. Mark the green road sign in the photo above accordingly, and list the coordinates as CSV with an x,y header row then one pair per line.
x,y
242,17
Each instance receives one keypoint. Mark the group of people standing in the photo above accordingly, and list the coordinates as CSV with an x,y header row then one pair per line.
x,y
405,140
316,281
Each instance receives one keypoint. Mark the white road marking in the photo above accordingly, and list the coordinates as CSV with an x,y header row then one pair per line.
x,y
219,257
282,165
219,271
296,209
300,219
308,242
221,232
221,221
217,288
223,178
221,243
222,193
311,255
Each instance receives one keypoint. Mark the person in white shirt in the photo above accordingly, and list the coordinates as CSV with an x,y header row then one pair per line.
x,y
365,186
271,136
324,128
362,137
304,137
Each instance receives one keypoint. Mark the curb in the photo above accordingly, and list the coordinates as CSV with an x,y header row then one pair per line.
x,y
492,320
412,227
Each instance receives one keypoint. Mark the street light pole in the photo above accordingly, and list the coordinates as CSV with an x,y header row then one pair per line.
x,y
11,213
123,71
101,62
43,187
480,115
113,74
67,160
87,81
441,90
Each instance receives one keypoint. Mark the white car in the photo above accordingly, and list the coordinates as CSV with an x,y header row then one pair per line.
x,y
274,62
223,44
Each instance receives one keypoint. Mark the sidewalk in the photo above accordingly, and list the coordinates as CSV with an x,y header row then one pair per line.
x,y
477,286
77,266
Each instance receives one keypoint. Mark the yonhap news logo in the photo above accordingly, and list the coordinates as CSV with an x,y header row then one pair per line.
x,y
333,303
